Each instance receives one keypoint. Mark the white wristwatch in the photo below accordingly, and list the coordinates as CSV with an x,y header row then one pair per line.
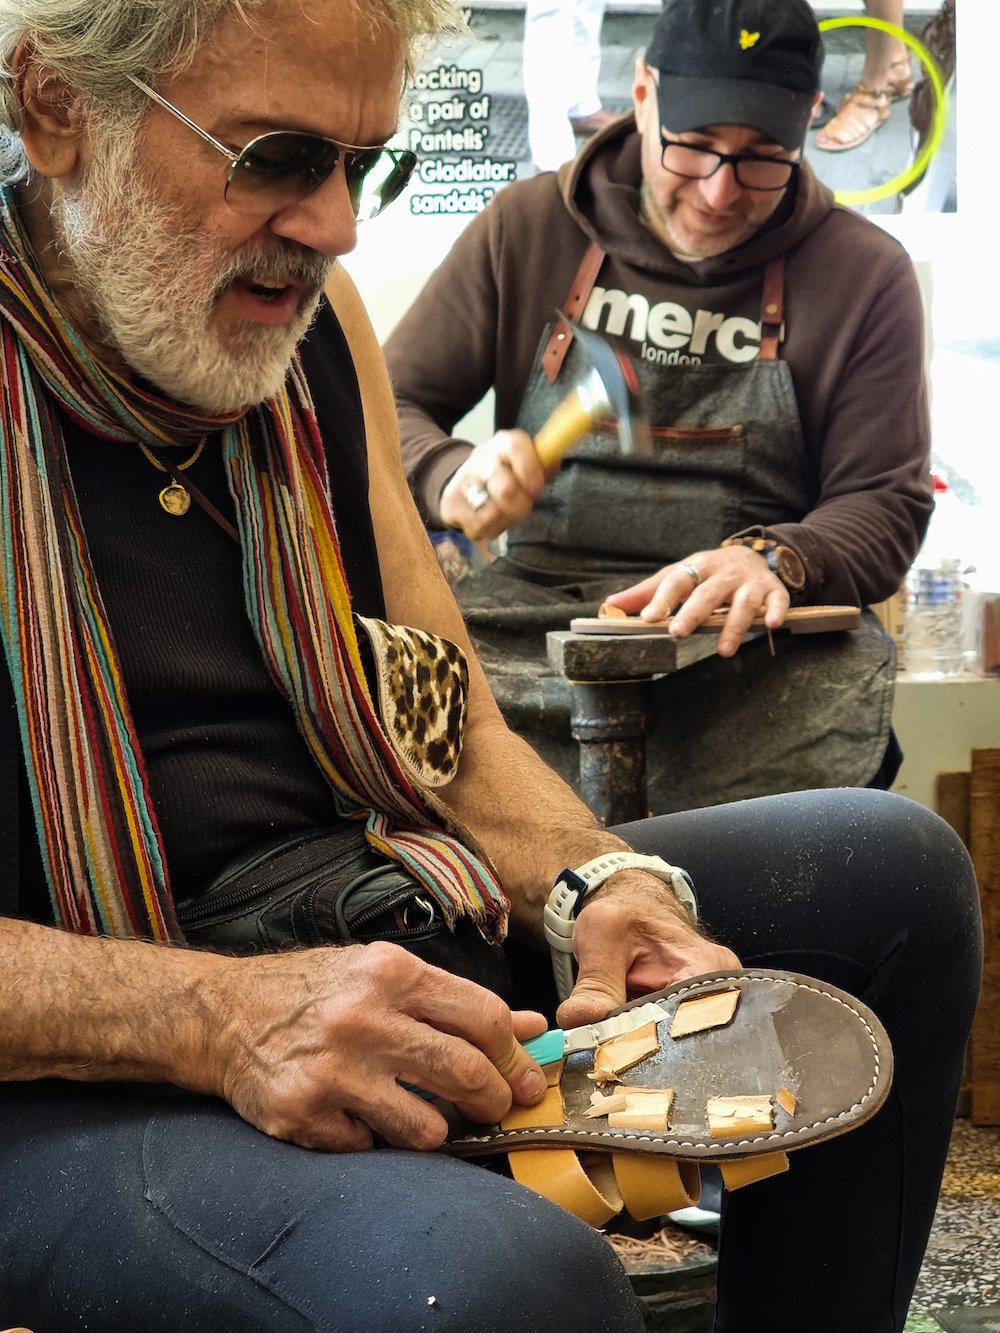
x,y
572,886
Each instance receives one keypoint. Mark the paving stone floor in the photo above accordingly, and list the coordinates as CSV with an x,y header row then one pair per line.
x,y
959,1286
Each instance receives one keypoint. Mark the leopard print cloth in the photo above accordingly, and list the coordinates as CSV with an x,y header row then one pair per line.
x,y
423,686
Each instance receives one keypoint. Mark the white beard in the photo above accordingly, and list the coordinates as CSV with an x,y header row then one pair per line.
x,y
152,287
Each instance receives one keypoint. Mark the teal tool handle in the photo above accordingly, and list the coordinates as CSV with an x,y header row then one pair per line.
x,y
547,1048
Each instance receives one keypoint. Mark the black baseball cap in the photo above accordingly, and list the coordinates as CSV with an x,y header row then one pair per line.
x,y
738,62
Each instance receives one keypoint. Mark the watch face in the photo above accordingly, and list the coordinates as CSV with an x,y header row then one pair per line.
x,y
790,568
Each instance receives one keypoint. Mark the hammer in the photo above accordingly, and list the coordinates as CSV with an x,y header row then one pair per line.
x,y
610,389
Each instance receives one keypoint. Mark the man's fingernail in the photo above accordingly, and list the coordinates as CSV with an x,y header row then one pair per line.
x,y
532,1085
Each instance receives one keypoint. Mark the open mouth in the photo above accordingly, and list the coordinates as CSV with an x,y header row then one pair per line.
x,y
264,302
267,291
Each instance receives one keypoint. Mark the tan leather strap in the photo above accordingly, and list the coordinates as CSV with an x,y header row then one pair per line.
x,y
746,1170
558,344
594,1186
772,309
549,1111
588,1192
651,1186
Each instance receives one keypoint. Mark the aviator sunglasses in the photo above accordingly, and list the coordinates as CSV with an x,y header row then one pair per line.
x,y
279,169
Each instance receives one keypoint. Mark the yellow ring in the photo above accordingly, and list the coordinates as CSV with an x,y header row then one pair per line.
x,y
939,120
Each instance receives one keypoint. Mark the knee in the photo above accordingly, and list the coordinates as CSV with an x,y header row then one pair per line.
x,y
480,1250
924,853
565,1274
922,879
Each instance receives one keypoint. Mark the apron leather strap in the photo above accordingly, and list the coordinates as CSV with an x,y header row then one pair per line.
x,y
772,309
582,285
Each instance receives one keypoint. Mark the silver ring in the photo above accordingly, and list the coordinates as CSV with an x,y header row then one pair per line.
x,y
476,496
693,573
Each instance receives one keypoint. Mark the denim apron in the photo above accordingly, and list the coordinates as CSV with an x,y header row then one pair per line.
x,y
727,454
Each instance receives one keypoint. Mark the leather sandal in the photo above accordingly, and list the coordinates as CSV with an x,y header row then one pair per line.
x,y
901,84
734,1068
864,110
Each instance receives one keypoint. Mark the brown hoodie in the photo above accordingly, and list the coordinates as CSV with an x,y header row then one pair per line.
x,y
853,343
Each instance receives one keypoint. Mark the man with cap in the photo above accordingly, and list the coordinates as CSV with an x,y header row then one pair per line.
x,y
778,341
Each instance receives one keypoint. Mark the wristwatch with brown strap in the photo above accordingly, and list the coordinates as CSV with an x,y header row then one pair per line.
x,y
782,561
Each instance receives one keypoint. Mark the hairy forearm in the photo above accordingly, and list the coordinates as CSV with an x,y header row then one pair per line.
x,y
94,1009
307,1045
528,820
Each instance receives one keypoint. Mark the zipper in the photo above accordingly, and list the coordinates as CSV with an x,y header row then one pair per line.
x,y
386,905
241,896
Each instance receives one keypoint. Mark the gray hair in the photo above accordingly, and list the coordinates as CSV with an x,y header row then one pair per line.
x,y
94,45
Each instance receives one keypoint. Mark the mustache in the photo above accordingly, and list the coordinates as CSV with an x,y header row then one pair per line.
x,y
281,262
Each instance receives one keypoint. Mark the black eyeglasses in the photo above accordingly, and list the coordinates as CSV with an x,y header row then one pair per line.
x,y
277,170
753,173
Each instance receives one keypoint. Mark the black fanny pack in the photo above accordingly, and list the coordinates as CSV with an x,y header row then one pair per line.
x,y
329,887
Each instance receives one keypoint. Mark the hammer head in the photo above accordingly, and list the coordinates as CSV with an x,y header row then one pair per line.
x,y
610,389
621,387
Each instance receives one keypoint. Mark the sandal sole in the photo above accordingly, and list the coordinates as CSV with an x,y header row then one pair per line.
x,y
826,1047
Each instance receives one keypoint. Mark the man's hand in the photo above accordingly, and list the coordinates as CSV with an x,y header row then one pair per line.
x,y
634,937
505,479
316,1045
733,576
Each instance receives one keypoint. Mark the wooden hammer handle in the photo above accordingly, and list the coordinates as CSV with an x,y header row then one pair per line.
x,y
567,425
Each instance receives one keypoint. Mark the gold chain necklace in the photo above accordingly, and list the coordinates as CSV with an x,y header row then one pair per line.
x,y
174,499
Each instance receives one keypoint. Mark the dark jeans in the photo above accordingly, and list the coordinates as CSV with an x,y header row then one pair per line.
x,y
125,1208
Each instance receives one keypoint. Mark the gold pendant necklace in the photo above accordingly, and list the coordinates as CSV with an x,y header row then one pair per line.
x,y
174,499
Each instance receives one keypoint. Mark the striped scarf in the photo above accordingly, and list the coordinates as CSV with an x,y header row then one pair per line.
x,y
101,846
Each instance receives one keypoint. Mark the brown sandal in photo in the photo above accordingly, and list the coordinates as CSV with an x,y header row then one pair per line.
x,y
864,110
901,83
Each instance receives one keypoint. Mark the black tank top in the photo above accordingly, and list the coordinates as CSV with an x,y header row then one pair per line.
x,y
227,766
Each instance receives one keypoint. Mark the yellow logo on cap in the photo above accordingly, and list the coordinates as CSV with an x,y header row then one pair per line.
x,y
748,39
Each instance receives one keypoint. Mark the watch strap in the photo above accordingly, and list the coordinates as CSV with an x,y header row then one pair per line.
x,y
785,563
573,886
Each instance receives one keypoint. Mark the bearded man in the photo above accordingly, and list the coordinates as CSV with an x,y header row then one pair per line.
x,y
209,1118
